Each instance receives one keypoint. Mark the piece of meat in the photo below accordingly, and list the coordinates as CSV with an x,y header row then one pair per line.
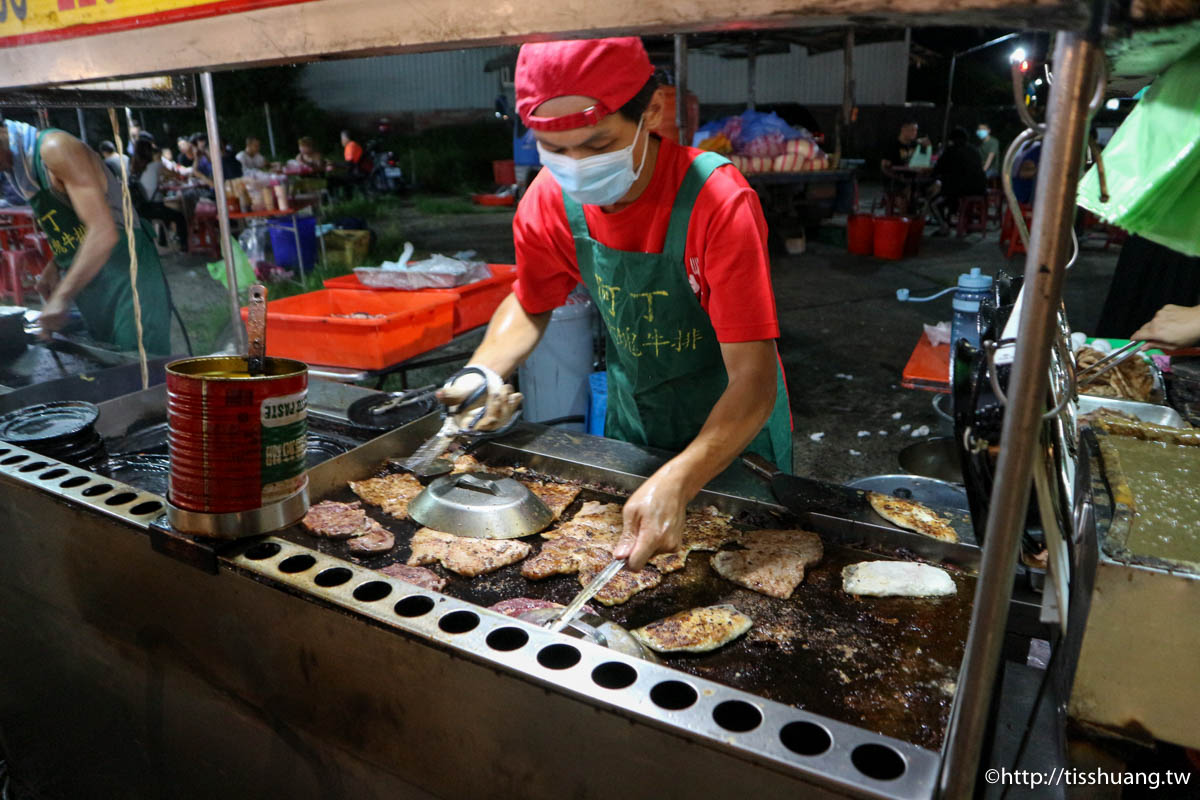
x,y
896,579
464,555
335,520
597,524
561,556
392,493
697,630
517,606
469,463
372,538
624,585
417,576
773,562
706,530
556,496
912,516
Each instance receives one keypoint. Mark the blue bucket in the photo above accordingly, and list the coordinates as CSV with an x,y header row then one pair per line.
x,y
597,402
283,240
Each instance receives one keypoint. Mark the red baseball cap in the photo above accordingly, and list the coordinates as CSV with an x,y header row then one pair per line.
x,y
610,70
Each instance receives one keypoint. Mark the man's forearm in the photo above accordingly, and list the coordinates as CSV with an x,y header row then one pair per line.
x,y
89,260
511,336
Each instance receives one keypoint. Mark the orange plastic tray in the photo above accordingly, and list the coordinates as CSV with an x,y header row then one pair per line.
x,y
928,367
476,301
304,328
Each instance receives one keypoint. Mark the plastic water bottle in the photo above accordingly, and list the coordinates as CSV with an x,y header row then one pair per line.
x,y
972,288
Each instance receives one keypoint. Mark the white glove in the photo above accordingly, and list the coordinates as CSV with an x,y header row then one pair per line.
x,y
499,401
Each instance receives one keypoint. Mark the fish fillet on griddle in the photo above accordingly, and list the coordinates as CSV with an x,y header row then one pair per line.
x,y
697,630
392,493
706,530
773,563
896,579
912,516
464,555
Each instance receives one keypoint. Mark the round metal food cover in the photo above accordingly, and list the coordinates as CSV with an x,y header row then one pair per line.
x,y
481,506
48,422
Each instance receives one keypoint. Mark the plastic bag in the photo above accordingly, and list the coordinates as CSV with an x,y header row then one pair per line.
x,y
1152,164
241,269
436,272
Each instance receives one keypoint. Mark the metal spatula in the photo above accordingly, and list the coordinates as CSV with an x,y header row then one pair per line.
x,y
599,582
256,330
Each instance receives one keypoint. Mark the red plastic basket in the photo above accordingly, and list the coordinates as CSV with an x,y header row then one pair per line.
x,y
305,327
475,302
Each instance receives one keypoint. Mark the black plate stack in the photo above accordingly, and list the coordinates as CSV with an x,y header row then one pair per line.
x,y
63,430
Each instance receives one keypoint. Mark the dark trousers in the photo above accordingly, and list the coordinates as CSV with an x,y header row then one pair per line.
x,y
169,216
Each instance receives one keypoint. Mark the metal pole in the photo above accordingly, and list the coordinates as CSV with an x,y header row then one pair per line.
x,y
751,76
270,130
215,151
82,125
1076,63
681,69
949,95
847,90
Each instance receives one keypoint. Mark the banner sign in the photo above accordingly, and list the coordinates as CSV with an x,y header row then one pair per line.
x,y
32,21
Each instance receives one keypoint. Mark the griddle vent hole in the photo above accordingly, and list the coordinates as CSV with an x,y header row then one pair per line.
x,y
417,605
371,591
99,488
558,656
5,450
673,695
58,472
17,459
614,675
335,576
459,622
737,716
120,499
805,738
878,761
71,483
507,639
294,564
259,551
154,507
34,466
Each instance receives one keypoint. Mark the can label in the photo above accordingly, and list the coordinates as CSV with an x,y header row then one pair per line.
x,y
284,445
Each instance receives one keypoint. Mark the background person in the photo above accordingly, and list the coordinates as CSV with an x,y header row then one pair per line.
x,y
147,171
251,157
989,150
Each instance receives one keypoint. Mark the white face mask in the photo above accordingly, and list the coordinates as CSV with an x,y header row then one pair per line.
x,y
598,180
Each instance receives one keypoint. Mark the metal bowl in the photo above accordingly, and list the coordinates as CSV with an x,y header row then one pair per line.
x,y
933,458
481,506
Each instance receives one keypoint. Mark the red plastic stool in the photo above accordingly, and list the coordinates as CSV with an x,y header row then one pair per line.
x,y
41,245
1010,237
15,267
972,215
204,234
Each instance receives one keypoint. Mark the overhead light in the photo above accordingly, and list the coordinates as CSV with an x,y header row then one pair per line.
x,y
1017,55
1113,104
1038,82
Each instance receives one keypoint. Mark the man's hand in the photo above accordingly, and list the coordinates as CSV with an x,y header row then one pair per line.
x,y
47,282
499,400
653,520
54,316
1172,327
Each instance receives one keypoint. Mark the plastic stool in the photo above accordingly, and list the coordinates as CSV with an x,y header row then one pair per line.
x,y
1010,237
204,234
13,271
972,215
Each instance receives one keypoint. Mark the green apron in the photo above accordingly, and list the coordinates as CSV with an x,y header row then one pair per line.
x,y
665,371
106,303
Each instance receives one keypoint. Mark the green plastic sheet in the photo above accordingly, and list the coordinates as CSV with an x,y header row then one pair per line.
x,y
1152,164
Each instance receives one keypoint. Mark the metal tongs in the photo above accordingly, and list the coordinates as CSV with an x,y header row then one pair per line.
x,y
587,593
1088,376
419,462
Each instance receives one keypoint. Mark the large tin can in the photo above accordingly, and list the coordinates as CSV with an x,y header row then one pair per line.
x,y
237,442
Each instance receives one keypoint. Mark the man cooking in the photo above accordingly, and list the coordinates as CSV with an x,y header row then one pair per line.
x,y
78,205
671,243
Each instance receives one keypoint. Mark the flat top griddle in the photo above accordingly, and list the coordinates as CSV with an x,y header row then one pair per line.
x,y
888,665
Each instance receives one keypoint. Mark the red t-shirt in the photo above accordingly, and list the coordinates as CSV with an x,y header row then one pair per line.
x,y
725,256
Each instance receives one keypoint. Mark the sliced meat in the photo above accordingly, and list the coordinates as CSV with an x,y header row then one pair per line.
x,y
517,606
773,562
556,496
706,530
417,576
335,520
464,555
392,493
912,516
697,630
896,579
372,538
624,585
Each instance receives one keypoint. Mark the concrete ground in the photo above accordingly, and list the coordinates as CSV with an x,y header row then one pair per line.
x,y
845,338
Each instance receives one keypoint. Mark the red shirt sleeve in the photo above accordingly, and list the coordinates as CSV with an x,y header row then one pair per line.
x,y
727,241
547,269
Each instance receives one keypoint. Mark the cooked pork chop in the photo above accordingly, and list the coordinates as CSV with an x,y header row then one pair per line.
x,y
773,562
702,530
556,496
518,606
417,576
697,630
335,520
912,516
372,538
561,556
464,555
624,585
896,579
391,492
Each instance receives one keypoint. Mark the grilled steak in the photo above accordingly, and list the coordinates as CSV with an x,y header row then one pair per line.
x,y
896,579
464,555
335,520
417,576
697,630
912,516
372,538
392,493
517,606
773,562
